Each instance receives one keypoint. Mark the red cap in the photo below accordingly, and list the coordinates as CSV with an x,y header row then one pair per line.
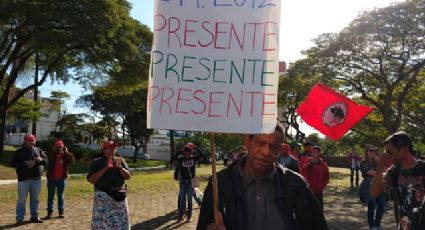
x,y
109,144
59,144
286,147
190,146
30,137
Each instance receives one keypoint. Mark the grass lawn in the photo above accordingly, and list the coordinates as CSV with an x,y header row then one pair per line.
x,y
157,182
148,183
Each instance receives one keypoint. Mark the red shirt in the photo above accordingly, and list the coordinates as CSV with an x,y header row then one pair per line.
x,y
316,174
58,172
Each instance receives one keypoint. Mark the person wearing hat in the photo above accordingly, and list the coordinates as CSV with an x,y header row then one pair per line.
x,y
29,162
307,151
57,172
187,171
108,174
295,149
286,160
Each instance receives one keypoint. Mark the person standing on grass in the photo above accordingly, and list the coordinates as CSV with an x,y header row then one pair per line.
x,y
108,174
186,163
225,159
375,206
29,162
316,172
57,172
354,164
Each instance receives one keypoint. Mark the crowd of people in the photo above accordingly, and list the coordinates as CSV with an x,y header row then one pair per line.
x,y
268,185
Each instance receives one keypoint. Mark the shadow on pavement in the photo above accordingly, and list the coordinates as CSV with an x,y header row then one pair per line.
x,y
14,225
165,222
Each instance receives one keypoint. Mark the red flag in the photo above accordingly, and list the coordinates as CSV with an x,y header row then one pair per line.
x,y
330,112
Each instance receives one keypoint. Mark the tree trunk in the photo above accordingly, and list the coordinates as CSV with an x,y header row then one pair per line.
x,y
136,152
34,122
3,112
172,144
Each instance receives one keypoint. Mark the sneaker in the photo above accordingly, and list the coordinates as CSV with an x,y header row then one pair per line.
x,y
19,222
36,220
188,220
48,216
61,215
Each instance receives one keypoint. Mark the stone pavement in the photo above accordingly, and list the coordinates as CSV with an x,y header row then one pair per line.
x,y
158,211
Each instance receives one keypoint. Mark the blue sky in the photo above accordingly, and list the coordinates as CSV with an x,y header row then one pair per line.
x,y
301,21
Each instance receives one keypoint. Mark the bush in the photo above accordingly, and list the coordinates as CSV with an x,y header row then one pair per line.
x,y
78,151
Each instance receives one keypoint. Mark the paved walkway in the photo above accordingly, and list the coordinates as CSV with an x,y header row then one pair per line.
x,y
158,211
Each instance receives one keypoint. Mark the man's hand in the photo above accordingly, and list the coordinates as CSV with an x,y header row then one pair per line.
x,y
118,162
38,159
30,163
219,225
382,161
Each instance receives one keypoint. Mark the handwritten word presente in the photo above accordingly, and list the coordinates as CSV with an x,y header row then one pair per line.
x,y
224,3
184,68
212,104
220,35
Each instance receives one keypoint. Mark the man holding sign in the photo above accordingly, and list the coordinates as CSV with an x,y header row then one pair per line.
x,y
257,193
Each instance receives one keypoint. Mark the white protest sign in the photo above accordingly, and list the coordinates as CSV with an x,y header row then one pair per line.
x,y
214,66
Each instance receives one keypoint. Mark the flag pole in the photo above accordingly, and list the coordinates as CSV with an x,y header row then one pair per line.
x,y
214,179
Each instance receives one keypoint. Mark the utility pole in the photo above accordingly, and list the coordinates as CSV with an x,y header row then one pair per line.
x,y
34,122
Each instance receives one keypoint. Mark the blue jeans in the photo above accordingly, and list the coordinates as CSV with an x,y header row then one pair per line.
x,y
34,188
186,191
51,187
375,211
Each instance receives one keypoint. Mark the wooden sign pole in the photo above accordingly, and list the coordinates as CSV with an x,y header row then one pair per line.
x,y
214,179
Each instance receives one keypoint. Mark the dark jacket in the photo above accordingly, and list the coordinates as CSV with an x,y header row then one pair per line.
x,y
294,165
68,159
296,202
24,154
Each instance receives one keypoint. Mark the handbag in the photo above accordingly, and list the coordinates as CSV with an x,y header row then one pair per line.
x,y
363,192
195,182
118,195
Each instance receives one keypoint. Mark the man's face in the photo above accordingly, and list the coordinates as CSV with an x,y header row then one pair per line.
x,y
284,150
308,148
397,156
263,150
186,154
296,149
29,143
315,153
110,151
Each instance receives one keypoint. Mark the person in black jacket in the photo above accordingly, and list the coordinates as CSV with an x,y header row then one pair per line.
x,y
288,161
187,171
257,193
29,162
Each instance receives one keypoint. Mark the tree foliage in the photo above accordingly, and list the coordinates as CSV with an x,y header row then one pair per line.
x,y
75,39
379,57
378,60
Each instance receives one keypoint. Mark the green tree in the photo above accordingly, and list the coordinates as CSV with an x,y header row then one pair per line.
x,y
380,58
71,126
75,39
